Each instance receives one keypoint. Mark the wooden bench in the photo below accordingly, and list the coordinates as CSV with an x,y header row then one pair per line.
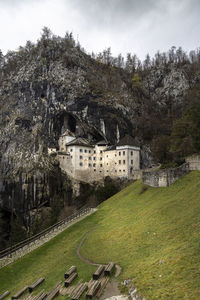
x,y
41,296
70,279
28,297
109,268
35,284
36,297
70,271
98,272
4,295
54,292
80,291
21,292
93,289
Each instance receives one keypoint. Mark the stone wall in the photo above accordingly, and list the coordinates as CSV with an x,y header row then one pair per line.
x,y
163,178
194,162
12,254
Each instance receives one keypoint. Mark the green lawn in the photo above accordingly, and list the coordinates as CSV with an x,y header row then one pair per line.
x,y
154,236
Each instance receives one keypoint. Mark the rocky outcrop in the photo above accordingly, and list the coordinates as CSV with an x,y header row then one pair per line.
x,y
53,86
167,82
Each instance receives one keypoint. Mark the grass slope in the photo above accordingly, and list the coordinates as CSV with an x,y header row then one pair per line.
x,y
154,236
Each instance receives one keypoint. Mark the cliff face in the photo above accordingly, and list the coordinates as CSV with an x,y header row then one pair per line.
x,y
42,94
53,86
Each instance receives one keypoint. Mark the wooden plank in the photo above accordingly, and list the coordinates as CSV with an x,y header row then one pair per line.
x,y
54,292
42,296
90,283
70,271
64,291
76,288
70,279
35,284
109,269
104,282
93,290
37,296
28,297
4,295
21,292
98,272
81,290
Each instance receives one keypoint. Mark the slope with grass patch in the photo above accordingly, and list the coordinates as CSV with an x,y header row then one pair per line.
x,y
153,233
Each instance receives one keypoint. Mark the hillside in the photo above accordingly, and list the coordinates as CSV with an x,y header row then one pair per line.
x,y
153,233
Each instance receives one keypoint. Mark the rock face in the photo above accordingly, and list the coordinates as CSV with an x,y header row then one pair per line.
x,y
163,83
53,86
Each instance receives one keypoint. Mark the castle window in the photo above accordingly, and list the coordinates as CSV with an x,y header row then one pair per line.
x,y
81,150
120,170
123,170
106,155
115,171
119,153
94,158
85,151
101,151
94,151
123,152
71,156
132,162
124,162
89,165
63,157
89,151
131,152
71,150
81,164
90,157
94,170
100,158
107,164
94,165
81,157
119,162
101,165
107,171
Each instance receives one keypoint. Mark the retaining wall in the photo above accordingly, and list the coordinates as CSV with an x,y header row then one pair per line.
x,y
194,162
165,177
11,254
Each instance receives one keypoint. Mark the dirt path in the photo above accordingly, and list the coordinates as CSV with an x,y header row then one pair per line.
x,y
86,260
111,290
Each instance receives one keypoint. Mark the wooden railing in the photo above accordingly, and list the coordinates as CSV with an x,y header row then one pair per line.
x,y
42,234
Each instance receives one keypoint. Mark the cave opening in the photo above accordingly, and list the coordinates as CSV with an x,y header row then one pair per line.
x,y
71,123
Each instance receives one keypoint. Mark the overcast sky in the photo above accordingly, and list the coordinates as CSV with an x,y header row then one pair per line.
x,y
136,26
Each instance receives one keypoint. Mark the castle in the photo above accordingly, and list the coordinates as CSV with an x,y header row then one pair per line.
x,y
86,162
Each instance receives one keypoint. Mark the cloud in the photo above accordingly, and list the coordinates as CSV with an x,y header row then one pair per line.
x,y
125,25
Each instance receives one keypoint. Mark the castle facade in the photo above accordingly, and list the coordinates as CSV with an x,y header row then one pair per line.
x,y
86,162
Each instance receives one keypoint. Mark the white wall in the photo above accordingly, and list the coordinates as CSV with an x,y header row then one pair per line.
x,y
87,163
